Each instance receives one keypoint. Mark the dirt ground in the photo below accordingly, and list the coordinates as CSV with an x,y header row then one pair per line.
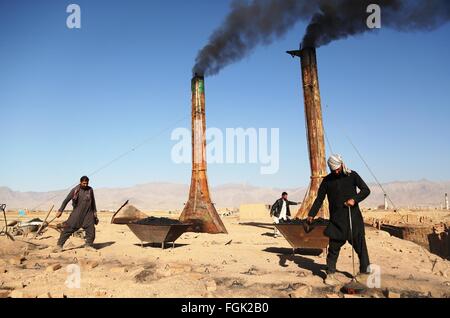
x,y
410,217
248,262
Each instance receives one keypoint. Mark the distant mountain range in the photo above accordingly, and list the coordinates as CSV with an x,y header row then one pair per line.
x,y
171,196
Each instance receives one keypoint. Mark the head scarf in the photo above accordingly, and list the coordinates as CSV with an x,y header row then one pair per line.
x,y
336,161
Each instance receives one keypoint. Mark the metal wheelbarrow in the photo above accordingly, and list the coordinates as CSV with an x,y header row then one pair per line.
x,y
304,236
158,233
149,233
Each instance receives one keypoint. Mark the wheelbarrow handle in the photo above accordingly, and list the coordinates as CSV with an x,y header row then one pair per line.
x,y
126,202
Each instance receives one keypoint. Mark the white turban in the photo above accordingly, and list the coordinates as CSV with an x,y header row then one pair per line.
x,y
336,161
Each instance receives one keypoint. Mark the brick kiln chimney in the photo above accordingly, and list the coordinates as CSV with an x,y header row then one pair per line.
x,y
199,210
314,128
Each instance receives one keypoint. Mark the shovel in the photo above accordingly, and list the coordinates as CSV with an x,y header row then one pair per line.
x,y
44,223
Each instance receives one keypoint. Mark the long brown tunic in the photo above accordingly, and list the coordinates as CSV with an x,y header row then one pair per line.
x,y
84,209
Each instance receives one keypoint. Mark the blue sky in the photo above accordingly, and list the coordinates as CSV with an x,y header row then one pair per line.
x,y
72,100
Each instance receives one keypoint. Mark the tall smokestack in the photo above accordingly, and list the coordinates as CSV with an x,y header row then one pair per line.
x,y
199,210
386,206
447,207
314,128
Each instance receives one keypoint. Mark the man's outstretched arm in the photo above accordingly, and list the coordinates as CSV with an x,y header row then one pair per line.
x,y
318,201
65,202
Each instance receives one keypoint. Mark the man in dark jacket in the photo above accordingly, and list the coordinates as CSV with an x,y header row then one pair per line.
x,y
340,188
280,211
84,214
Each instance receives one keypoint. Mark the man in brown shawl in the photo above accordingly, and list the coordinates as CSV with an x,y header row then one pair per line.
x,y
84,214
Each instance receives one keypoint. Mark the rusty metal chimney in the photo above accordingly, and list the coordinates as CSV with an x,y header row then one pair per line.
x,y
199,210
314,128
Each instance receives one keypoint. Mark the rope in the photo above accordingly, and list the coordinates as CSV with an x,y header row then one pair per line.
x,y
367,166
371,172
328,142
126,153
326,137
318,177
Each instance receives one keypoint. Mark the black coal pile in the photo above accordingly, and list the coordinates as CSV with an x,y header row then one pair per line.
x,y
157,221
308,227
319,221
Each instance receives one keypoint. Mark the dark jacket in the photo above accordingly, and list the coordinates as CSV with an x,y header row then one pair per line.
x,y
276,207
339,189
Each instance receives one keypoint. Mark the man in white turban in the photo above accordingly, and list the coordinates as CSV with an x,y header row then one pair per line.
x,y
340,187
335,163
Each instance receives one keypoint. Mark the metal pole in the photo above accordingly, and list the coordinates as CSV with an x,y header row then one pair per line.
x,y
43,223
3,207
351,234
314,128
199,210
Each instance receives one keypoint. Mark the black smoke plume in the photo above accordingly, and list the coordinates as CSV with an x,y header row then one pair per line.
x,y
247,25
255,22
340,19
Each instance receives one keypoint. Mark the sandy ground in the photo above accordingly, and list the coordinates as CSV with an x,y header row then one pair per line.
x,y
248,262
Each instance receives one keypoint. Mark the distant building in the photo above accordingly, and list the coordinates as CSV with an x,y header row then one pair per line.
x,y
259,211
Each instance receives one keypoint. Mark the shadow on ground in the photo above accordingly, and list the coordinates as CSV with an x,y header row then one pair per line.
x,y
285,254
159,245
258,224
271,234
